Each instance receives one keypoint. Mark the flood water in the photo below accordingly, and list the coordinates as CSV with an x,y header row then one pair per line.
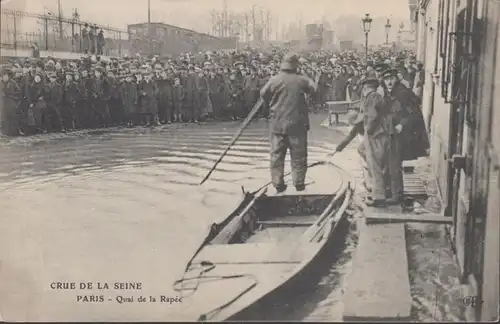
x,y
121,205
125,205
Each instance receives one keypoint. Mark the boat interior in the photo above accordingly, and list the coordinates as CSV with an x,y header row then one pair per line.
x,y
272,218
268,230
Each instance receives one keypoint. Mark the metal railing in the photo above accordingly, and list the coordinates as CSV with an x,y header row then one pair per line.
x,y
20,30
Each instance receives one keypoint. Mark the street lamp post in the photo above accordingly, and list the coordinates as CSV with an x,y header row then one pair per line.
x,y
367,21
387,30
400,31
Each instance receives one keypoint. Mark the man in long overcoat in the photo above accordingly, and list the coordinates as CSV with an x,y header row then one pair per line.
x,y
414,138
148,92
11,95
251,89
396,119
289,121
376,140
70,97
191,101
129,98
165,97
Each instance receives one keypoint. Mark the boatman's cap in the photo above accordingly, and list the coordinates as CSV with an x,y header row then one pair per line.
x,y
389,73
290,62
370,81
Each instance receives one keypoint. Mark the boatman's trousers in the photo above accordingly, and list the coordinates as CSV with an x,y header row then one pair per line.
x,y
280,143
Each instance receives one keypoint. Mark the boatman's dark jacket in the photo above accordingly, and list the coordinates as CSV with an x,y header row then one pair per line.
x,y
284,95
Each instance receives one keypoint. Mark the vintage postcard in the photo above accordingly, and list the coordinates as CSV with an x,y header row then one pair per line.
x,y
263,160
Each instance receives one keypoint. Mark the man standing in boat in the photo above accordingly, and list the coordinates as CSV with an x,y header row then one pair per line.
x,y
284,94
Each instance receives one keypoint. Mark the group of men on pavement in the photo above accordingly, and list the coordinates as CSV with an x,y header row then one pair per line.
x,y
391,125
389,121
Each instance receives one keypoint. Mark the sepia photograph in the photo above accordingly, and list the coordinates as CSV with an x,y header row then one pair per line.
x,y
249,160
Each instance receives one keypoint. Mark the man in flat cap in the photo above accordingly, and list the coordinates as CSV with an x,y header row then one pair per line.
x,y
148,92
100,110
54,98
129,97
81,99
376,140
251,87
285,94
204,104
114,102
396,118
70,96
191,102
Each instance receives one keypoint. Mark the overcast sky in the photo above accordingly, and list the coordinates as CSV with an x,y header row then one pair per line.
x,y
195,14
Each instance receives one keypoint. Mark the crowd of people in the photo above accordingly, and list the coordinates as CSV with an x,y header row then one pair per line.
x,y
46,95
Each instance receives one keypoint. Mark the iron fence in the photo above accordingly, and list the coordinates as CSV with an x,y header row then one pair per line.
x,y
21,30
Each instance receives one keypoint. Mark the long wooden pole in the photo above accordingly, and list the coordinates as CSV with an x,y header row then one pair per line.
x,y
245,123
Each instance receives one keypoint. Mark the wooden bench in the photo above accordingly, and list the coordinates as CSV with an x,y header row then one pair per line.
x,y
340,108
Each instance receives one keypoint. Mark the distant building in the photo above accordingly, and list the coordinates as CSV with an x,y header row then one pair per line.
x,y
314,37
328,38
346,45
163,39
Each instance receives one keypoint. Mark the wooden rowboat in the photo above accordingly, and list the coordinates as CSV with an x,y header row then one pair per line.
x,y
264,244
